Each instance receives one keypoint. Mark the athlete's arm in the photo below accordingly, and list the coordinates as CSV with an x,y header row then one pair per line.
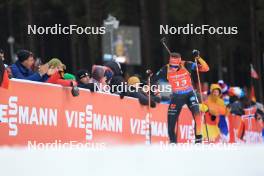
x,y
202,65
161,74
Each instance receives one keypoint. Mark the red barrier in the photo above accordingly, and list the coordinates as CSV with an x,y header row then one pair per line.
x,y
245,128
43,112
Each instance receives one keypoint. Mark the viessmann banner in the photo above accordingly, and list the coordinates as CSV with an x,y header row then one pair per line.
x,y
44,113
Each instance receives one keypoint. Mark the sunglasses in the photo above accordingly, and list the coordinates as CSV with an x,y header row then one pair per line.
x,y
174,66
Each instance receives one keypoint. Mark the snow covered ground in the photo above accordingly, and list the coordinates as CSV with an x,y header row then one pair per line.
x,y
135,160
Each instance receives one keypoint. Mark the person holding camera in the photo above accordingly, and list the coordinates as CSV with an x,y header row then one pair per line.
x,y
22,68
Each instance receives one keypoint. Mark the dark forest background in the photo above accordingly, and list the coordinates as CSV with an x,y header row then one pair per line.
x,y
229,56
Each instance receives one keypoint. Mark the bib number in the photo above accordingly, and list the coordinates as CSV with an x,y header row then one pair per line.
x,y
181,83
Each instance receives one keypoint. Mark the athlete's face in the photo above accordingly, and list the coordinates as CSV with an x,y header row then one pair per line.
x,y
175,61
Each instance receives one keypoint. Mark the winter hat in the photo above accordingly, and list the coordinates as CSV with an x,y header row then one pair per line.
x,y
55,62
223,86
23,55
68,76
236,91
220,82
215,86
82,73
133,80
98,72
175,59
115,67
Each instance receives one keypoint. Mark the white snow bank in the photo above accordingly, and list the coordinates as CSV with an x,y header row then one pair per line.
x,y
134,161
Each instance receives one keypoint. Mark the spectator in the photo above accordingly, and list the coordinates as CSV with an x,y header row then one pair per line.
x,y
37,63
236,106
260,120
4,81
214,102
114,76
8,69
136,92
22,69
99,78
2,56
216,112
224,87
83,79
224,90
56,76
259,114
236,96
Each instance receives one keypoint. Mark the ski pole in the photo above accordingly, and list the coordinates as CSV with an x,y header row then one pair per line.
x,y
200,90
148,116
163,41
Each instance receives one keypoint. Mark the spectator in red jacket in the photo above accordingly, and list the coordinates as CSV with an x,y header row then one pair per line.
x,y
56,76
2,56
4,80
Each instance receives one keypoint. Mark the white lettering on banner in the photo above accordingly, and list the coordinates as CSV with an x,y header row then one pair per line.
x,y
3,113
159,129
93,121
23,115
71,117
186,132
37,116
14,114
75,119
89,120
138,126
107,123
252,137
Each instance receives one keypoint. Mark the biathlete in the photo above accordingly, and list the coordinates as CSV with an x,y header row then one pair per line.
x,y
178,73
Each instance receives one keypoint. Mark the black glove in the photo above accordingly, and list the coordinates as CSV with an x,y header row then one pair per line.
x,y
195,53
75,90
122,95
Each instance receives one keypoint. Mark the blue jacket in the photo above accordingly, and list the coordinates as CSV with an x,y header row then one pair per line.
x,y
21,72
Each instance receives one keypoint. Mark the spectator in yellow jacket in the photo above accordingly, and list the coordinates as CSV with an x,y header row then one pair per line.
x,y
215,114
214,102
